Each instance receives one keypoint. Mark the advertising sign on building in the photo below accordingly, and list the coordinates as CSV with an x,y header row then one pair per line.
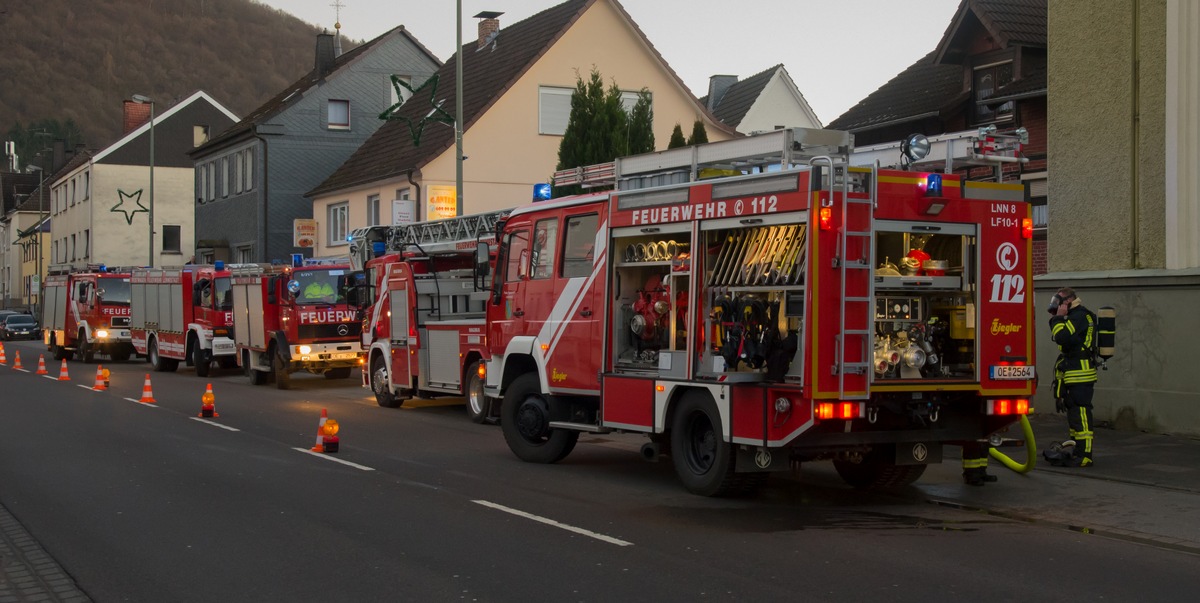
x,y
304,232
404,211
442,202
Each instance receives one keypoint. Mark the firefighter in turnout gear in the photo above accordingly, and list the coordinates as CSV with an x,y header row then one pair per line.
x,y
1073,328
974,463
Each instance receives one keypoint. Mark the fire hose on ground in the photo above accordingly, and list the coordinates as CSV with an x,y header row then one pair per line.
x,y
1030,451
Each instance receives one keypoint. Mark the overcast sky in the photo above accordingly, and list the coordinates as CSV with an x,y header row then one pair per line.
x,y
837,51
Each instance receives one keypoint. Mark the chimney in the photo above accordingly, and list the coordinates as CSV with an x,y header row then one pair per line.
x,y
136,114
326,54
60,155
718,85
489,27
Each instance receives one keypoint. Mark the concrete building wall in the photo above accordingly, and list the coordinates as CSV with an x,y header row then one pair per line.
x,y
105,236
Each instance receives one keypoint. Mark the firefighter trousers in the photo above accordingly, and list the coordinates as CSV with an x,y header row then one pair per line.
x,y
974,463
1078,400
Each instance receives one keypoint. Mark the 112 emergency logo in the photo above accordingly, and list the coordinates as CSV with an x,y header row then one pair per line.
x,y
1008,288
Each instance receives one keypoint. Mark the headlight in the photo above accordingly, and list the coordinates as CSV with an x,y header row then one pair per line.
x,y
305,349
101,333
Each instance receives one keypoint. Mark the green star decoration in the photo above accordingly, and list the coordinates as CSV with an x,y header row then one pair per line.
x,y
136,198
437,114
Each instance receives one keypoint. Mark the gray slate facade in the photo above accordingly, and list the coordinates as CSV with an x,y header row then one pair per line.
x,y
251,179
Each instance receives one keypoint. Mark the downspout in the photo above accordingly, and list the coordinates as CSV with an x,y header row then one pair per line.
x,y
1135,175
266,195
418,189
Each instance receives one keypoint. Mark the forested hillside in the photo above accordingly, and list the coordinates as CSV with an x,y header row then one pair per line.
x,y
78,59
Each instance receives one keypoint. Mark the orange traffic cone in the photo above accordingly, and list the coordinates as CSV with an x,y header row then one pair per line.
x,y
327,440
147,393
99,386
208,404
42,365
3,360
62,373
17,361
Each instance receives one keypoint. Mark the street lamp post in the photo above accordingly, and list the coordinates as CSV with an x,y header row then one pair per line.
x,y
458,111
138,98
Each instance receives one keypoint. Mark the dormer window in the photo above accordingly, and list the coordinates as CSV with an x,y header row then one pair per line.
x,y
339,115
986,80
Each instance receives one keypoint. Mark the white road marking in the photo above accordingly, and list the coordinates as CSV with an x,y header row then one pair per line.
x,y
214,424
551,522
336,460
50,378
140,403
23,370
87,387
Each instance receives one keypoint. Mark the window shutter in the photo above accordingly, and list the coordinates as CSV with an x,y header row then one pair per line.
x,y
554,110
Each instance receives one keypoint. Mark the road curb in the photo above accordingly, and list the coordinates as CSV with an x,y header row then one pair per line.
x,y
27,571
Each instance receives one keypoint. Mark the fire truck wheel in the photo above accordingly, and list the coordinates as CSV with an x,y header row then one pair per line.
x,y
478,405
57,351
873,473
200,359
525,418
160,364
379,385
283,379
257,377
87,351
703,461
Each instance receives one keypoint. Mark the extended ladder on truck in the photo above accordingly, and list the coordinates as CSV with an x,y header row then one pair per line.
x,y
449,235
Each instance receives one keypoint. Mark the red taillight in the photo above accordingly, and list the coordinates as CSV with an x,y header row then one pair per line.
x,y
1026,228
1003,407
838,410
826,218
1008,407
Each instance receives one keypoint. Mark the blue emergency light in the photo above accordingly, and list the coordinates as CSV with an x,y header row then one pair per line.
x,y
541,192
933,185
378,247
219,265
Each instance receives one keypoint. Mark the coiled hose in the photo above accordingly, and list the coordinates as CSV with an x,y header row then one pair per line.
x,y
1030,451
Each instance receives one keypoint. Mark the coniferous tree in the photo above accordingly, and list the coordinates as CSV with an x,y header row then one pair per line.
x,y
598,129
677,139
641,124
699,134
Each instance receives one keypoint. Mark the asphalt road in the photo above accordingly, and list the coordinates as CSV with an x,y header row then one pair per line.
x,y
145,503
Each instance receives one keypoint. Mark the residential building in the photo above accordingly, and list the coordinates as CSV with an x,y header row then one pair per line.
x,y
988,69
100,208
766,101
251,179
517,82
15,188
1125,153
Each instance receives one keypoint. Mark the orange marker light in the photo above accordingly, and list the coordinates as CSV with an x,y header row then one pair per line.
x,y
660,388
826,218
824,410
1026,228
1022,407
482,370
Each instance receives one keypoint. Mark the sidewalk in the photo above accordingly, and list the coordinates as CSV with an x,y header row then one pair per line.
x,y
27,572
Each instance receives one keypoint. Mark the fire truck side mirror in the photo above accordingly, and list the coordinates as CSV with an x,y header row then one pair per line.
x,y
482,253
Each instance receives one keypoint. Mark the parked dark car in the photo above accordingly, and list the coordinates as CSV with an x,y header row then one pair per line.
x,y
18,326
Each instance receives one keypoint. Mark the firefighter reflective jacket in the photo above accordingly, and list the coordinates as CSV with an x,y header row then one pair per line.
x,y
1075,335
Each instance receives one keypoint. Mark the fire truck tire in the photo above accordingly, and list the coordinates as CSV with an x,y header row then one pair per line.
x,y
283,379
200,359
87,352
379,385
703,462
160,364
338,373
875,474
257,377
58,351
478,405
525,416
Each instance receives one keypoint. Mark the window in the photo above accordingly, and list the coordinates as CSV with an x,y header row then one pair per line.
x,y
339,214
200,182
72,248
249,169
211,170
87,185
545,243
373,210
237,172
245,254
517,256
554,110
170,239
579,245
339,115
54,251
87,243
392,89
987,80
199,135
402,194
72,192
224,176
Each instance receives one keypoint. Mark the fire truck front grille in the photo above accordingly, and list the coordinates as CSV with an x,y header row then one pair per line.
x,y
352,330
120,321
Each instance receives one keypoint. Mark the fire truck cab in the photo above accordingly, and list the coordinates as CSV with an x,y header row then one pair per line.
x,y
288,319
183,314
809,309
423,306
87,312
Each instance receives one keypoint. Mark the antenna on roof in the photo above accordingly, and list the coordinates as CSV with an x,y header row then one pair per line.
x,y
337,27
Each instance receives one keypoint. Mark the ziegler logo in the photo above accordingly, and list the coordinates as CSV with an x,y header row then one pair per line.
x,y
557,376
999,328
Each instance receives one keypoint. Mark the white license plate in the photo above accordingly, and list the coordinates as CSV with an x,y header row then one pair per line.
x,y
1013,373
345,356
223,347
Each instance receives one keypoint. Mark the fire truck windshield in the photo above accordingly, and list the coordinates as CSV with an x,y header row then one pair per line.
x,y
319,287
224,291
114,290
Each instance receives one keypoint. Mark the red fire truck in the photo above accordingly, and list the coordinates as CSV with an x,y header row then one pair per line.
x,y
424,329
828,311
183,314
289,319
87,311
